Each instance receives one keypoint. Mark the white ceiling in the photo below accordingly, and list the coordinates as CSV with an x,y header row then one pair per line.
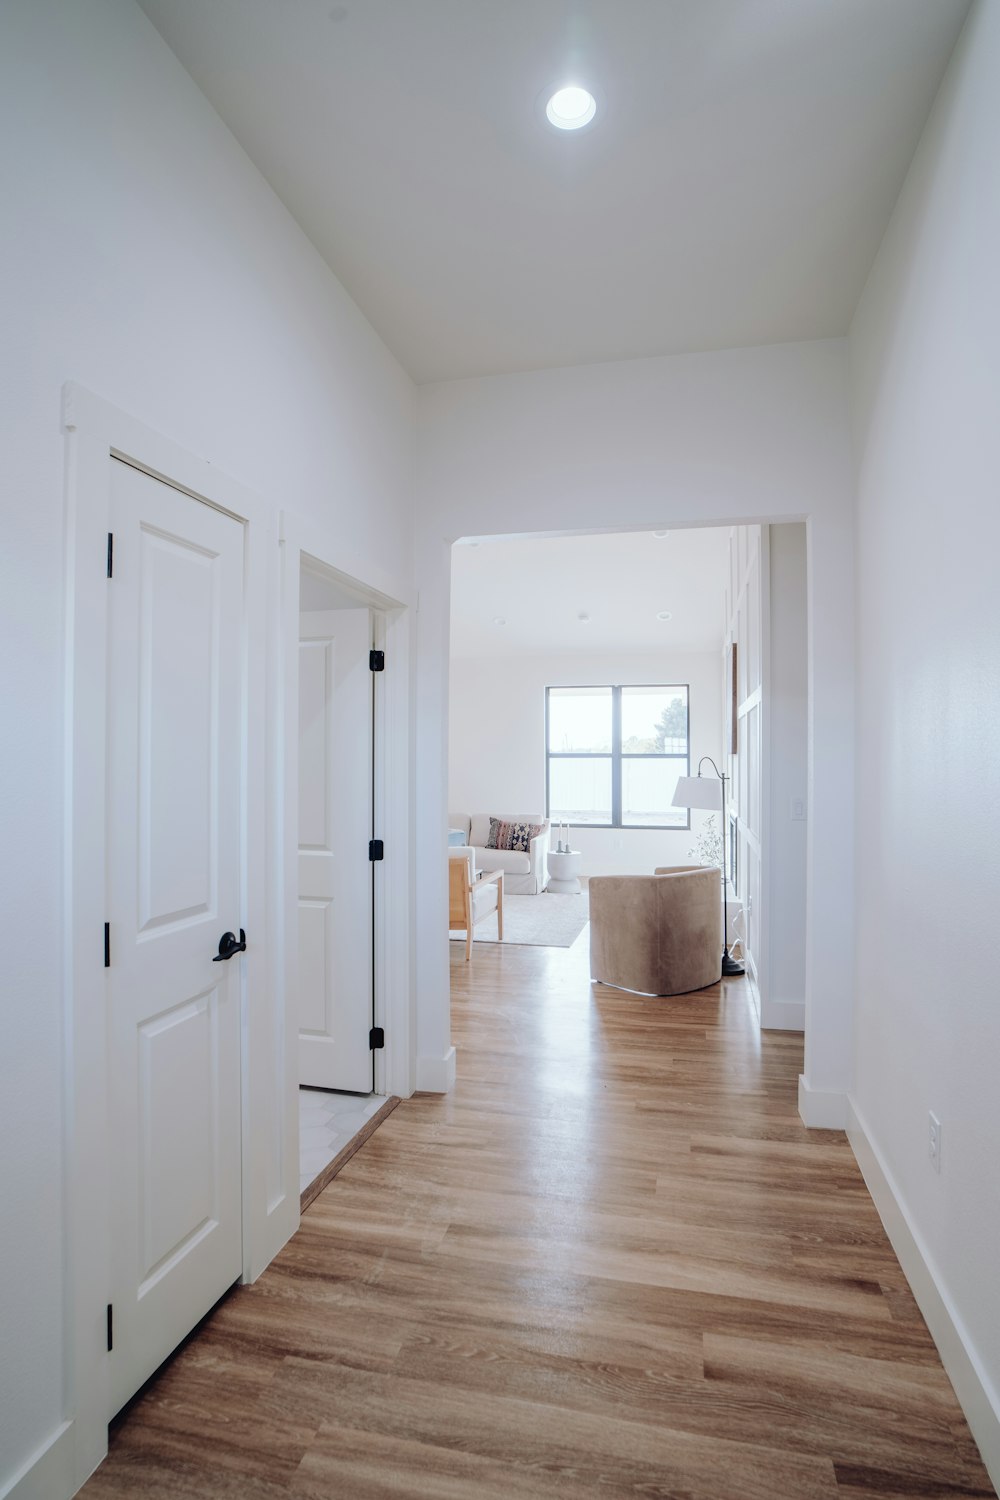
x,y
541,585
733,190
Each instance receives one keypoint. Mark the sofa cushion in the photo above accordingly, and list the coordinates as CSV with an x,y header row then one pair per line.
x,y
512,860
484,899
504,835
479,830
479,824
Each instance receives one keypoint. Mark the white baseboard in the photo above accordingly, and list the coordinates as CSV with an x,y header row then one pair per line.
x,y
783,1015
821,1110
48,1473
436,1075
976,1394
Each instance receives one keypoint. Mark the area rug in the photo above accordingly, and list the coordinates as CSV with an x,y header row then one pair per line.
x,y
545,921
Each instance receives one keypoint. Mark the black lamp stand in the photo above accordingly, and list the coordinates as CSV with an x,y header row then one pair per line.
x,y
730,968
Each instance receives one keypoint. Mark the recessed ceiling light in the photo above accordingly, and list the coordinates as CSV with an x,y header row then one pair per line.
x,y
664,614
661,533
499,620
571,108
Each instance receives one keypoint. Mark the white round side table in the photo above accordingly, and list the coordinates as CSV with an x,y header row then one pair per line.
x,y
563,871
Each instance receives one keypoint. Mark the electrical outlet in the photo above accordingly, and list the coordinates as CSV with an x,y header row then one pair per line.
x,y
934,1141
798,809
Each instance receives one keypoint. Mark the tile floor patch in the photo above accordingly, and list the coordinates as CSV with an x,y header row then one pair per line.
x,y
327,1122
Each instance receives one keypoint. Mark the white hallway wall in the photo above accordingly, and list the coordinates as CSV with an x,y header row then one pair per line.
x,y
497,740
145,257
925,361
742,435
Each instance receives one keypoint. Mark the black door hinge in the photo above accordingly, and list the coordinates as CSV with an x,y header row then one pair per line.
x,y
376,1038
376,850
107,945
376,661
111,553
111,1328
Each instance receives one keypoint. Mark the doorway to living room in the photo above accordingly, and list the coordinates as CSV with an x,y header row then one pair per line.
x,y
588,674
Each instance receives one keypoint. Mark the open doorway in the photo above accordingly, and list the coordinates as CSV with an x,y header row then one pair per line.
x,y
338,727
619,663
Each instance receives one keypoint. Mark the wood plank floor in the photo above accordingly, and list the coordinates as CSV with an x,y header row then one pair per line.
x,y
611,1263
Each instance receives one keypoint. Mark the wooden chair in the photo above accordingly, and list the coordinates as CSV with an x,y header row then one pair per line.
x,y
471,900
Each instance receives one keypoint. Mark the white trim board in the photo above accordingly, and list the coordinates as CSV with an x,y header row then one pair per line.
x,y
821,1109
436,1075
976,1394
783,1015
322,545
48,1472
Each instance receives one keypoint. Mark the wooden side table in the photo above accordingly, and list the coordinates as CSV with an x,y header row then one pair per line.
x,y
564,870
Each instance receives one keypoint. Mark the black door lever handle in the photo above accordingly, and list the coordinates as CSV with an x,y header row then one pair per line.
x,y
228,946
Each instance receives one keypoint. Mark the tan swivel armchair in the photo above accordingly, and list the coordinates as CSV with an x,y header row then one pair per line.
x,y
471,900
657,934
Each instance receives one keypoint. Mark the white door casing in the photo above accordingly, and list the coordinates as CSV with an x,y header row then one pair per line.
x,y
335,823
175,730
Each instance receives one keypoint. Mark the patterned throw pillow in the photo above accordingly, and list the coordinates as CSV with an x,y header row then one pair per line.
x,y
514,836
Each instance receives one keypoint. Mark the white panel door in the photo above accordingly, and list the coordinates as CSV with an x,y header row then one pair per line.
x,y
335,820
175,735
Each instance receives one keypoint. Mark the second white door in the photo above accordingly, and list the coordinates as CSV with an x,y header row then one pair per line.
x,y
335,826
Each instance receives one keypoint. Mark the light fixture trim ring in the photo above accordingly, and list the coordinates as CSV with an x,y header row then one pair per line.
x,y
571,107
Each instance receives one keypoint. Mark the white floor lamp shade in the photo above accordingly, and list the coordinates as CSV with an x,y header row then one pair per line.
x,y
698,791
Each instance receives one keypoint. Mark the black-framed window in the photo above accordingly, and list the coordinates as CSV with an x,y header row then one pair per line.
x,y
613,755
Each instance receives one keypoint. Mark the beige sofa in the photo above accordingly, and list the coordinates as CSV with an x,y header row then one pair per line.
x,y
657,934
523,874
